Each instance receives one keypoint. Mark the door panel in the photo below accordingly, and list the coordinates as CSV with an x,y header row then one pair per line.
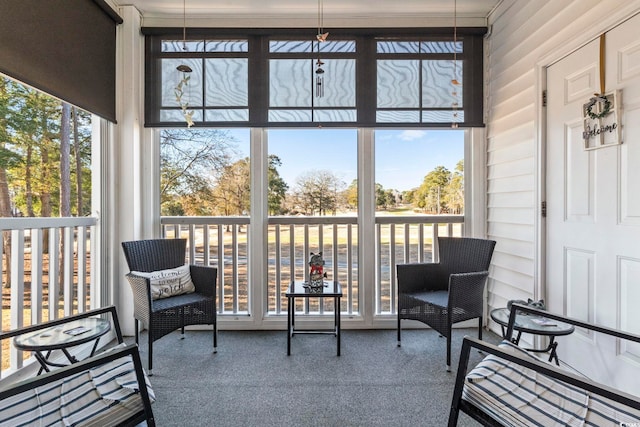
x,y
593,209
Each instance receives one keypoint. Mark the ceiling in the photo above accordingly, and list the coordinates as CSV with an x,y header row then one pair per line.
x,y
304,13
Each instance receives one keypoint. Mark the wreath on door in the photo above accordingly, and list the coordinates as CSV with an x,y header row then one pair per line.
x,y
605,108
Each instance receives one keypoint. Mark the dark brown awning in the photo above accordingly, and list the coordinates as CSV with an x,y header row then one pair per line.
x,y
66,48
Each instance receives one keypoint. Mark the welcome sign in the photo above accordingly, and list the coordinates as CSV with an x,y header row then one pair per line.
x,y
600,119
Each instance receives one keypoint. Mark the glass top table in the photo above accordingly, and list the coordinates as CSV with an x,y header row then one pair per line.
x,y
536,325
329,289
62,337
304,289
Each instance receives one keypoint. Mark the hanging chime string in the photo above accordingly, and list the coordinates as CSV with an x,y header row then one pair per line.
x,y
455,39
602,62
184,24
320,16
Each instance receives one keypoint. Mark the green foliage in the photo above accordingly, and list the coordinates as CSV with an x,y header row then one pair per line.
x,y
233,189
30,151
201,175
351,195
9,159
454,192
277,190
441,191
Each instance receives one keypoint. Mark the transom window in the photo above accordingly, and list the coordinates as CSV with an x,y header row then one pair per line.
x,y
270,78
297,93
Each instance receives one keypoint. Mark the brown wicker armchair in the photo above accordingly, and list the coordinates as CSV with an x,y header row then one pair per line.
x,y
162,316
450,291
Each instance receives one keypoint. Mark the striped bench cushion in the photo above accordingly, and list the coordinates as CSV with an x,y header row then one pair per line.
x,y
104,396
517,396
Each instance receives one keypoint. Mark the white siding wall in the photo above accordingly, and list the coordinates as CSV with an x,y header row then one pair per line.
x,y
525,36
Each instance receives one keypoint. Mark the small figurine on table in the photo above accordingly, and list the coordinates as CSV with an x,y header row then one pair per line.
x,y
316,272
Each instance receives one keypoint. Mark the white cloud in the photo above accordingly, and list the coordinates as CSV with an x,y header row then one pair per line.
x,y
410,135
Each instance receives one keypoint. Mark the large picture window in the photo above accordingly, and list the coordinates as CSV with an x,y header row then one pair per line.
x,y
269,78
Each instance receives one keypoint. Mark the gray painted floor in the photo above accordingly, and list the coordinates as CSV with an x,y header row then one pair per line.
x,y
251,381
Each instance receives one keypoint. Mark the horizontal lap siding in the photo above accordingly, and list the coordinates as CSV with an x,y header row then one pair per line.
x,y
523,32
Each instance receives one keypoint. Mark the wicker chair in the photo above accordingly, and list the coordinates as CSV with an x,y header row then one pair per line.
x,y
450,291
165,315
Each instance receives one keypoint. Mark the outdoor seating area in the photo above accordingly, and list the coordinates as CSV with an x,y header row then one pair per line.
x,y
107,388
513,387
294,213
167,293
449,291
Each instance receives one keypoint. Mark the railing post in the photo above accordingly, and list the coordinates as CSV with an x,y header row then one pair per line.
x,y
81,254
278,272
349,269
221,275
17,290
36,276
234,264
54,289
68,271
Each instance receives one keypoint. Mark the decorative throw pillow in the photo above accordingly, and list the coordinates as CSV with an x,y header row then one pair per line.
x,y
167,283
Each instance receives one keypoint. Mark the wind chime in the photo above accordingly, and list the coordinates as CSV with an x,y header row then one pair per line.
x,y
320,37
184,70
454,82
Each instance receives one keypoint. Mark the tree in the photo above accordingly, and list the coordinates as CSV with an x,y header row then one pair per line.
x,y
191,160
454,194
381,197
34,136
351,194
430,194
65,179
233,189
277,188
65,160
408,196
318,191
82,156
7,159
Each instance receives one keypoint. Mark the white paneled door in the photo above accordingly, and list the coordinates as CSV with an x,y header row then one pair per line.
x,y
593,207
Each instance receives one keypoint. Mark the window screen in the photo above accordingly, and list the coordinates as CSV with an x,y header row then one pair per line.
x,y
268,77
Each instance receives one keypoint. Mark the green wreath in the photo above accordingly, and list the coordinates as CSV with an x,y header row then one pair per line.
x,y
605,110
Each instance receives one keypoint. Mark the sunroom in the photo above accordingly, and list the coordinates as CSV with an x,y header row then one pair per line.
x,y
555,194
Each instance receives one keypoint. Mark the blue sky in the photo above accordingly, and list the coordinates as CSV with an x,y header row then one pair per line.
x,y
403,157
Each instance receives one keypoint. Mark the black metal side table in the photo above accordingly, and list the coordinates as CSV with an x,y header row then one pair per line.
x,y
303,290
535,325
61,337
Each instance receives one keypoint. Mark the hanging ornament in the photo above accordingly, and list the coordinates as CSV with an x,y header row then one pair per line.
x,y
320,37
454,81
179,91
319,79
182,90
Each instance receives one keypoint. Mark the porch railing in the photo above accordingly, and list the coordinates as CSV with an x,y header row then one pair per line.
x,y
290,240
46,273
220,242
403,240
47,262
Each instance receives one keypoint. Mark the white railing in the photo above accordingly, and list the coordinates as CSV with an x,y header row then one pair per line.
x,y
217,241
51,276
51,261
290,240
403,240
